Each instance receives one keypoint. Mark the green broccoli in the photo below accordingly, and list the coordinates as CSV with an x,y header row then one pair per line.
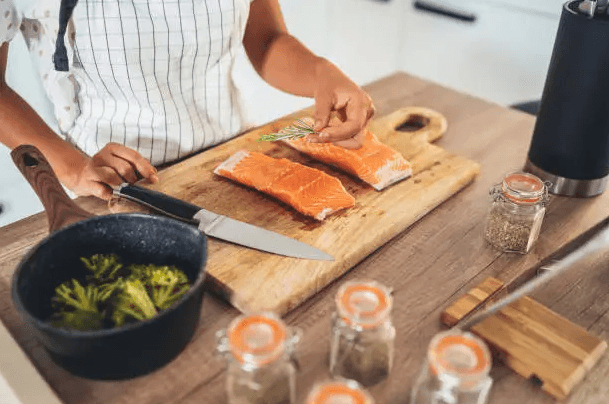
x,y
164,284
103,267
116,294
133,301
77,306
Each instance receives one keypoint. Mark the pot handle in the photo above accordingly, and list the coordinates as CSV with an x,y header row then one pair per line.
x,y
61,210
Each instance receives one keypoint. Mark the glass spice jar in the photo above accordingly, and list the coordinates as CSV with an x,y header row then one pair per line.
x,y
456,371
516,212
362,341
259,349
339,392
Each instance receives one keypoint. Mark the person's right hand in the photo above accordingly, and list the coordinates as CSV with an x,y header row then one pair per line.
x,y
112,166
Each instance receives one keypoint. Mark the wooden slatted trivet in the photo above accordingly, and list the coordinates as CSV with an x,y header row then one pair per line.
x,y
531,339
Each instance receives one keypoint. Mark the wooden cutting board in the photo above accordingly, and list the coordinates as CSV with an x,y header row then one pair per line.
x,y
252,280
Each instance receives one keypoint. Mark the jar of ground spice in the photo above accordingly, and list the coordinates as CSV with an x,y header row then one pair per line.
x,y
339,392
456,371
362,341
259,349
516,213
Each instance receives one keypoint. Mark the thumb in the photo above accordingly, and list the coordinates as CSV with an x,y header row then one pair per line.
x,y
323,112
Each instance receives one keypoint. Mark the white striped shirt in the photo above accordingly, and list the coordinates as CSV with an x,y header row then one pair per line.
x,y
153,75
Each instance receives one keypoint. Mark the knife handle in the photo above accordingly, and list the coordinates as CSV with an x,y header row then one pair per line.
x,y
159,202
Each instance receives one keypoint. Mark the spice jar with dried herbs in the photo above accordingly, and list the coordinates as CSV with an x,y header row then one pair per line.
x,y
259,349
362,341
456,371
341,391
516,212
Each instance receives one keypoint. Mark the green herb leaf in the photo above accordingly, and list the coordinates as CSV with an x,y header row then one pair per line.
x,y
298,129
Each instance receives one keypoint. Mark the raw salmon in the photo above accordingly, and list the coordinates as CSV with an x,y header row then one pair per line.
x,y
375,163
308,190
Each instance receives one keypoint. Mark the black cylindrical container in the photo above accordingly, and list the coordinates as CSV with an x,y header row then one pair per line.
x,y
570,144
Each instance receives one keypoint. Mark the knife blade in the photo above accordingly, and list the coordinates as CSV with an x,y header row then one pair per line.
x,y
219,226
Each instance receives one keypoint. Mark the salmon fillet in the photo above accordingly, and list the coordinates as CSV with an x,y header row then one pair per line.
x,y
374,163
308,190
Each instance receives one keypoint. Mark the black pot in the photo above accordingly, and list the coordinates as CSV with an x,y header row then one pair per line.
x,y
118,353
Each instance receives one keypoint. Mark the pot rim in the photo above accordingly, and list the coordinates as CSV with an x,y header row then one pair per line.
x,y
91,334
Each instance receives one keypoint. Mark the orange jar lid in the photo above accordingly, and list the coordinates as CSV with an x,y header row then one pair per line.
x,y
363,303
347,392
460,354
257,338
522,187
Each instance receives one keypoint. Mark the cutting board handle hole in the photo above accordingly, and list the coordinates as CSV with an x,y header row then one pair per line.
x,y
413,123
29,160
536,380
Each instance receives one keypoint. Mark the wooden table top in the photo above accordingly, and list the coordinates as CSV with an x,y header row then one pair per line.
x,y
428,265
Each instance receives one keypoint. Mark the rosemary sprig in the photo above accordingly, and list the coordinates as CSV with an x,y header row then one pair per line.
x,y
298,129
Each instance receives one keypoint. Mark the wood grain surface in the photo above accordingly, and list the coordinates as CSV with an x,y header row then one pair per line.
x,y
429,266
256,281
531,339
60,209
474,298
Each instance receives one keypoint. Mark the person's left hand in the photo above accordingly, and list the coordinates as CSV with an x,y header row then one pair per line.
x,y
335,92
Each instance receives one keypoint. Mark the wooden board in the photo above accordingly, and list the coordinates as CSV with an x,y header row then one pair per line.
x,y
252,280
474,298
533,340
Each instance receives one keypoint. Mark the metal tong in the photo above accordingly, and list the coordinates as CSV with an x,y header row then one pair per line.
x,y
588,245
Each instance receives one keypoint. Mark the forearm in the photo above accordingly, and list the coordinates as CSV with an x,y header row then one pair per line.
x,y
279,58
20,124
289,66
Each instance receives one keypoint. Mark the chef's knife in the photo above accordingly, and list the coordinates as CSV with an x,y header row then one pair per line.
x,y
219,226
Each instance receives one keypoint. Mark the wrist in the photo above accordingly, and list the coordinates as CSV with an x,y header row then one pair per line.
x,y
68,163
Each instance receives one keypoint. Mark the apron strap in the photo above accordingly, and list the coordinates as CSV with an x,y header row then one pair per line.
x,y
60,57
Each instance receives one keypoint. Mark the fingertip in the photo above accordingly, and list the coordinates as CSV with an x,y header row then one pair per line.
x,y
154,178
319,125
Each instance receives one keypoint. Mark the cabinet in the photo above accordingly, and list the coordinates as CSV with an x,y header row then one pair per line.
x,y
364,37
503,56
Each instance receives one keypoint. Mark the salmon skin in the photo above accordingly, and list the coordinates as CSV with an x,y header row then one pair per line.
x,y
308,190
374,163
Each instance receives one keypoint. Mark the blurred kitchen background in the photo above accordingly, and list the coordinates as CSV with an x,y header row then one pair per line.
x,y
498,50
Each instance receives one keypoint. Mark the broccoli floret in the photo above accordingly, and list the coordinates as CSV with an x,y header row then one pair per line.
x,y
103,267
77,306
108,290
115,293
77,297
133,301
164,284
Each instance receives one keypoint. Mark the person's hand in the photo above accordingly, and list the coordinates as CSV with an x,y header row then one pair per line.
x,y
112,166
335,92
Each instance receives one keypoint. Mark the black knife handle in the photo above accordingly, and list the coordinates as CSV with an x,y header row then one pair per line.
x,y
159,201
